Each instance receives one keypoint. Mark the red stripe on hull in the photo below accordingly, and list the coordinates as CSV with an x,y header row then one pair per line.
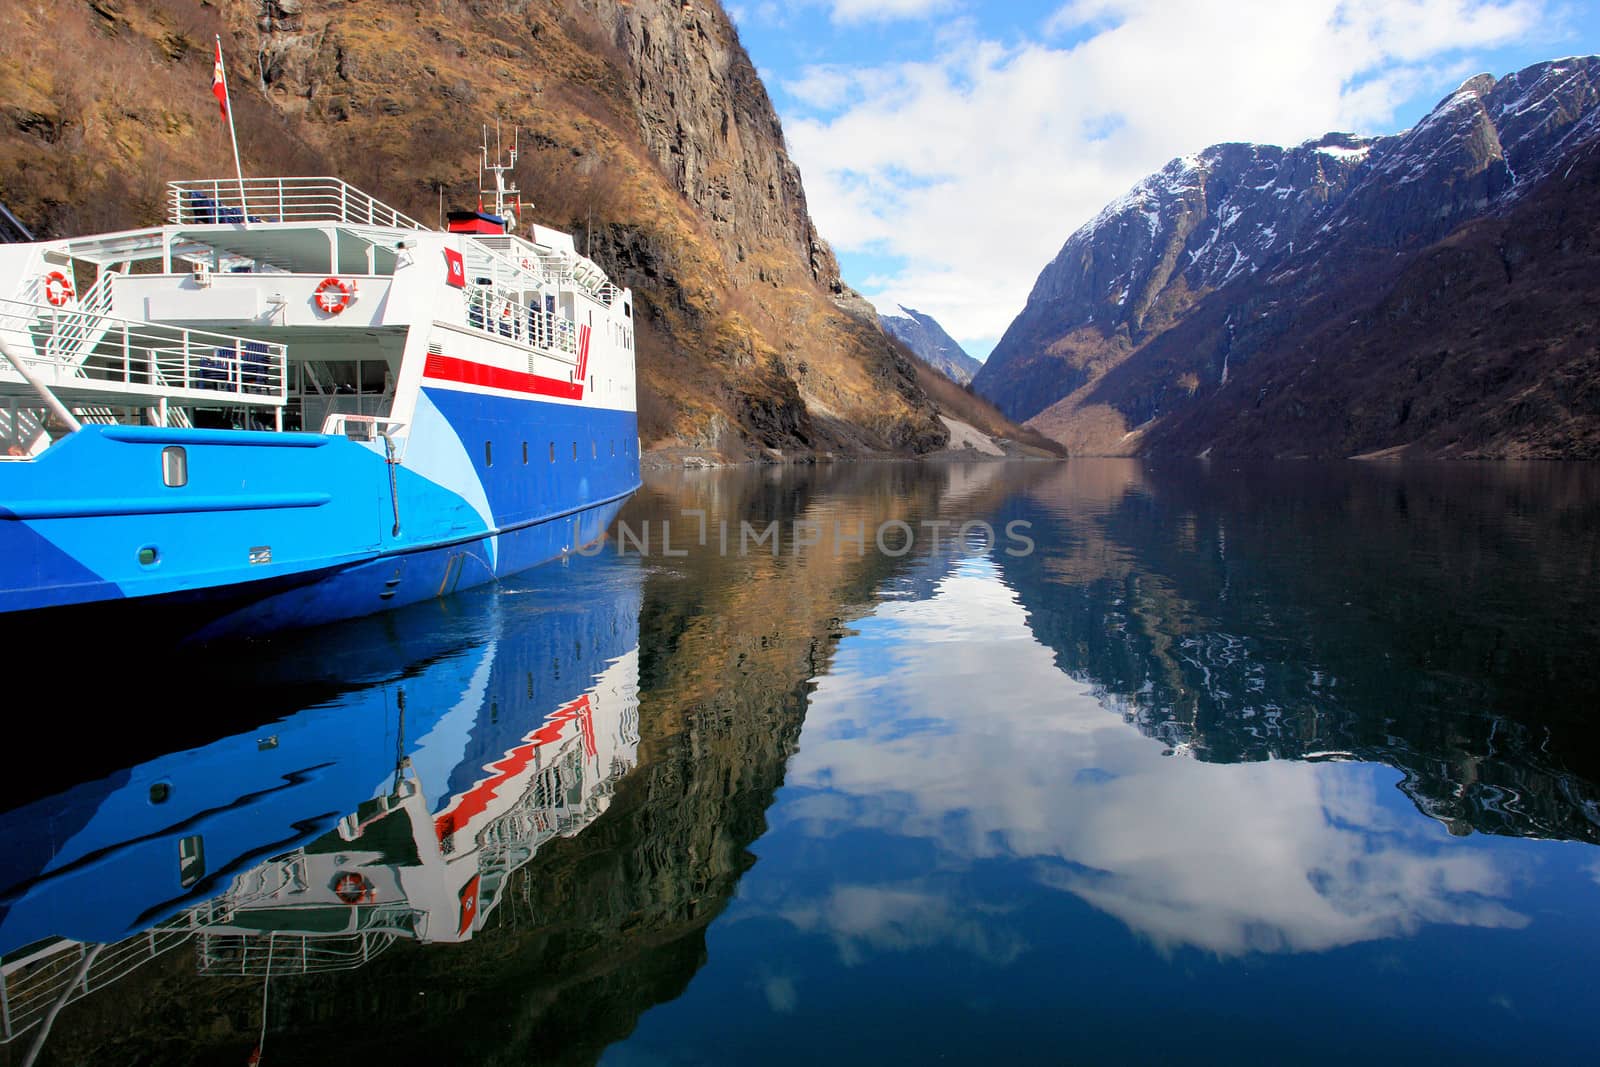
x,y
475,801
465,372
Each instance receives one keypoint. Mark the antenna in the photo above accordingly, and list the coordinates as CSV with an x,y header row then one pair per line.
x,y
506,196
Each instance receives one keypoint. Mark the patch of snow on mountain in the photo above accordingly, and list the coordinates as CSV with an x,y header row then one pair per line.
x,y
1353,155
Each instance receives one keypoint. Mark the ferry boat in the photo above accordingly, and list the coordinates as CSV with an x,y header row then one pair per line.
x,y
291,404
465,738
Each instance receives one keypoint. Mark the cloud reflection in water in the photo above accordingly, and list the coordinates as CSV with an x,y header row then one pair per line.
x,y
944,721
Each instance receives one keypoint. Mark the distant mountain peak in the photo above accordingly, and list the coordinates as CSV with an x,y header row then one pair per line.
x,y
924,336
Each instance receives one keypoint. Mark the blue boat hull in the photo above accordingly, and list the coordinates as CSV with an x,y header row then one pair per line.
x,y
269,531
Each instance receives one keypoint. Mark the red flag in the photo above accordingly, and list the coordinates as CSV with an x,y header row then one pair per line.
x,y
469,905
219,85
455,269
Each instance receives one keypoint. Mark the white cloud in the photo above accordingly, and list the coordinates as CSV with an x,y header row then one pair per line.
x,y
823,87
973,166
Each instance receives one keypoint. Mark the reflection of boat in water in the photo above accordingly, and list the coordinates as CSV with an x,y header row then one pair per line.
x,y
396,810
397,868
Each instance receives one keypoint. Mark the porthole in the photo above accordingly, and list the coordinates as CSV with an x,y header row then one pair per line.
x,y
488,454
552,451
149,556
524,453
574,450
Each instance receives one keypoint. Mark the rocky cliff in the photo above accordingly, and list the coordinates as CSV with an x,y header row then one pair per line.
x,y
925,337
1422,292
645,129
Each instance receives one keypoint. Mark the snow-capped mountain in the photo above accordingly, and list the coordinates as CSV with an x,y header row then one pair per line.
x,y
1235,255
1138,266
925,337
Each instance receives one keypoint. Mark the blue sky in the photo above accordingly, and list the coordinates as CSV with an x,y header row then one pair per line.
x,y
949,147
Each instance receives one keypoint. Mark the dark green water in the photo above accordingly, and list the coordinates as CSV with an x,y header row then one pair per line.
x,y
1280,764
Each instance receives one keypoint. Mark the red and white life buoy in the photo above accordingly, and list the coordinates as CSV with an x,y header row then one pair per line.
x,y
57,289
332,295
352,888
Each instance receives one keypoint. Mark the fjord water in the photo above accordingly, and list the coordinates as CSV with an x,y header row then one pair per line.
x,y
1283,763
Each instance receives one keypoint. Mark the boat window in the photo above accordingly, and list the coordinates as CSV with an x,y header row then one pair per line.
x,y
191,860
574,450
552,451
524,453
613,446
488,454
175,465
594,449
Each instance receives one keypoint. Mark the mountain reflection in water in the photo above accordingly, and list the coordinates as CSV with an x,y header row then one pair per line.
x,y
1225,746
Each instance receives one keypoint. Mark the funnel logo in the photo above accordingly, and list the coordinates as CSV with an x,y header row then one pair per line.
x,y
455,269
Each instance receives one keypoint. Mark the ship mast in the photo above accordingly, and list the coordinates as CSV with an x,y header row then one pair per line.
x,y
506,197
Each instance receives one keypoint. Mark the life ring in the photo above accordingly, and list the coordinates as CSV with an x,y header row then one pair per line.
x,y
57,289
332,295
352,888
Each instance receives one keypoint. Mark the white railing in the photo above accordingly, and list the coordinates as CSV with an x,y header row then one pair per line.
x,y
496,311
218,201
552,266
142,358
361,427
32,989
232,953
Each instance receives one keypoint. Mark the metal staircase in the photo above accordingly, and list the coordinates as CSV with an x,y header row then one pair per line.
x,y
73,335
22,432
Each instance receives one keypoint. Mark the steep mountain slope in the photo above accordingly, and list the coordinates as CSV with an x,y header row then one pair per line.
x,y
1143,262
1485,345
1235,351
645,129
925,337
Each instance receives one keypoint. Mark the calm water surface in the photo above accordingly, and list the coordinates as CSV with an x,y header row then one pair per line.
x,y
1287,763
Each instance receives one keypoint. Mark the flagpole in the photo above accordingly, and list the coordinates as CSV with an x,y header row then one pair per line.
x,y
227,105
